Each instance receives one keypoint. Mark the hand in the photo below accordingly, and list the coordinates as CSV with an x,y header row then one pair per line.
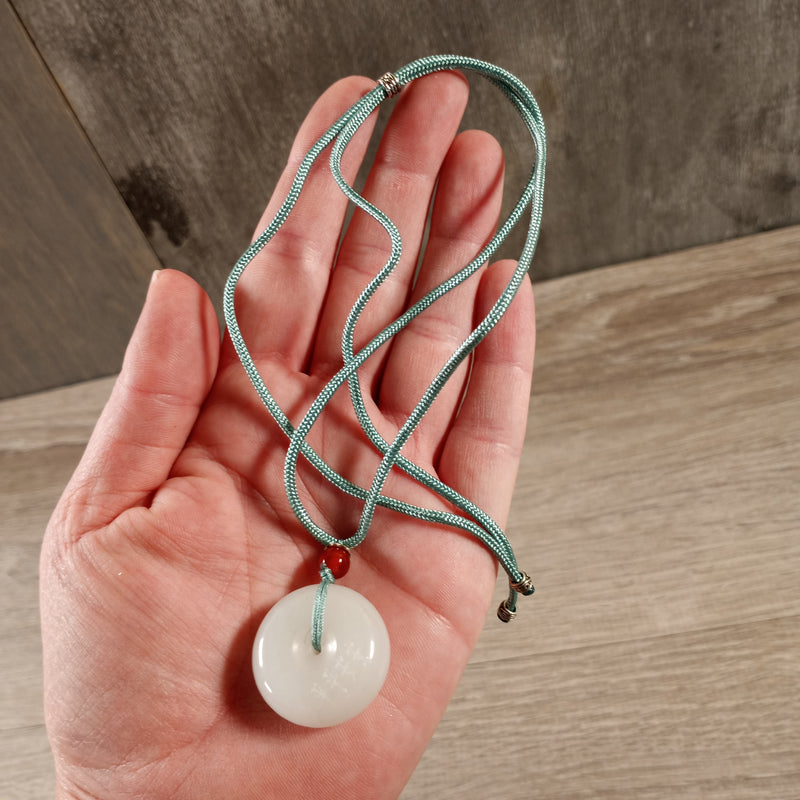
x,y
174,536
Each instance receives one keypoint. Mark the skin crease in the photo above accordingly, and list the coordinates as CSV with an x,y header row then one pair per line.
x,y
174,536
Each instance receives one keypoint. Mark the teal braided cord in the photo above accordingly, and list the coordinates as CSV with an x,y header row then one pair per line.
x,y
481,525
493,537
318,612
370,100
392,456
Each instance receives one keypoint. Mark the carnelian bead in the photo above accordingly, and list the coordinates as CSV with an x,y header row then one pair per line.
x,y
336,559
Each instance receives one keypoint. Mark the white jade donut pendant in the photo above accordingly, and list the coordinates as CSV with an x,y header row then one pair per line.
x,y
321,689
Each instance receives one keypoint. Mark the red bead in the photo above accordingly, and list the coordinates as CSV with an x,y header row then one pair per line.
x,y
336,559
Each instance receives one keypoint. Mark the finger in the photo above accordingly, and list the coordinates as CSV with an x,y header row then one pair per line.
x,y
280,293
465,212
167,372
401,183
481,454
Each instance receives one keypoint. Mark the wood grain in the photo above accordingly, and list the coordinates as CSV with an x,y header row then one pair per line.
x,y
657,509
667,126
72,261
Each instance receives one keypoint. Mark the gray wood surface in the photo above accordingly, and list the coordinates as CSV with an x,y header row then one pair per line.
x,y
669,124
657,508
71,255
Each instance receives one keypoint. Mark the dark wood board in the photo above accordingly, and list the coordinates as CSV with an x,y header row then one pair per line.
x,y
669,124
73,263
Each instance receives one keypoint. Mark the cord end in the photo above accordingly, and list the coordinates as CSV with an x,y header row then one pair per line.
x,y
505,613
524,585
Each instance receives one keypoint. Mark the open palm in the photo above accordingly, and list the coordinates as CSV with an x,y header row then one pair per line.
x,y
175,537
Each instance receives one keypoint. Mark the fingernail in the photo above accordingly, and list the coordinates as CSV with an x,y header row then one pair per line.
x,y
154,276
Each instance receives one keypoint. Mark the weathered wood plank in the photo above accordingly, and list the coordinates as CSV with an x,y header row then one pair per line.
x,y
707,716
656,508
41,439
669,126
73,263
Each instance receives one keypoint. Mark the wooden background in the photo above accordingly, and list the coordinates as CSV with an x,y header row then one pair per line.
x,y
656,508
138,134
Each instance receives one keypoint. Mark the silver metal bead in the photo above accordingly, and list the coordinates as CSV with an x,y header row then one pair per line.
x,y
504,613
389,84
524,586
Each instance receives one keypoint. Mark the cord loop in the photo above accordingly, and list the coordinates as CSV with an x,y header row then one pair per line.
x,y
472,519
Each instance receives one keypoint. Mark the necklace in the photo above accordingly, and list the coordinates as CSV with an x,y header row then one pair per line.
x,y
321,654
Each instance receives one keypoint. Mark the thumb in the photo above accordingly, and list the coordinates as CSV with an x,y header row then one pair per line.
x,y
169,366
